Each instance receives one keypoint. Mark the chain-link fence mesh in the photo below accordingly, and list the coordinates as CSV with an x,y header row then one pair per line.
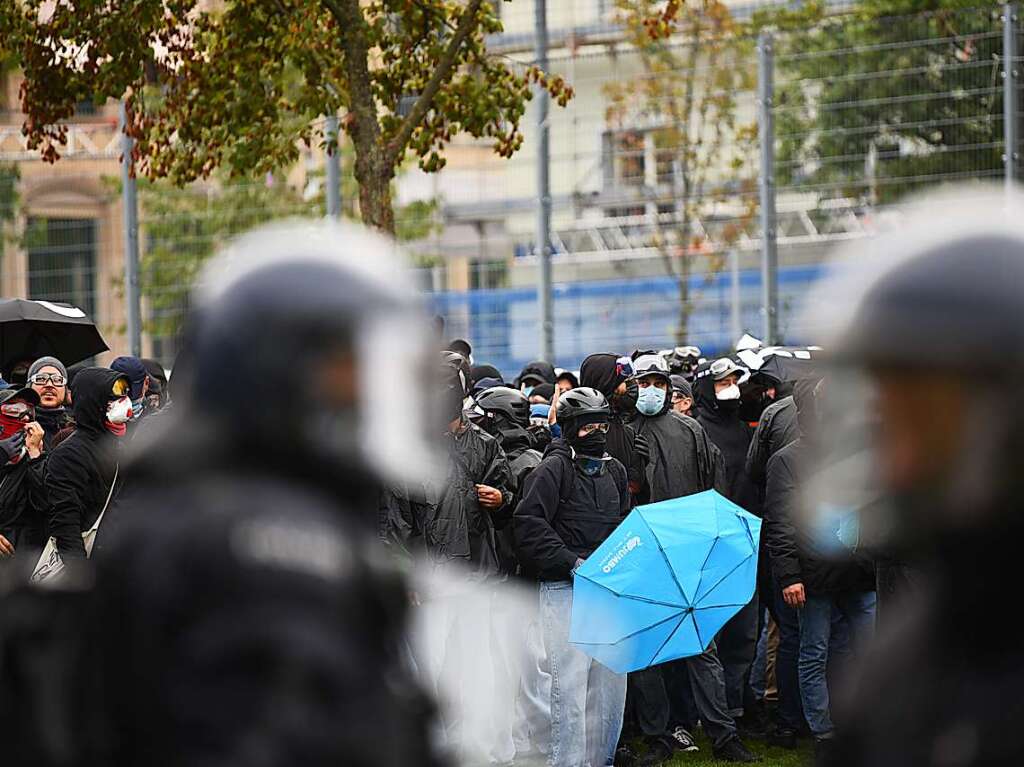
x,y
654,182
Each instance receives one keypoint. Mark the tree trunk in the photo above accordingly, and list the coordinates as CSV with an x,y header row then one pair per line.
x,y
374,178
683,281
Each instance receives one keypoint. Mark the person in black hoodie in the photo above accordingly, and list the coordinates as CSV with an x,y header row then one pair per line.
x,y
610,375
817,579
81,472
717,389
573,500
506,414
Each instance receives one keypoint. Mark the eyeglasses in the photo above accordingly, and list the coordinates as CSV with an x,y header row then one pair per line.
x,y
41,379
121,387
590,428
21,411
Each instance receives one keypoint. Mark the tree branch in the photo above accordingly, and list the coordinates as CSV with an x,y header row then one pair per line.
x,y
467,22
354,46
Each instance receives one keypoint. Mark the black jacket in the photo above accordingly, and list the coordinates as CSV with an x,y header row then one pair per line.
x,y
683,459
776,429
444,517
81,469
522,459
796,557
565,513
622,446
732,437
241,609
23,504
941,681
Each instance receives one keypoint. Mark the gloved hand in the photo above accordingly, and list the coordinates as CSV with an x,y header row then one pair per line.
x,y
642,448
11,447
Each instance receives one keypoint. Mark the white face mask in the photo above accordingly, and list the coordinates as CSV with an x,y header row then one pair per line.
x,y
119,411
730,392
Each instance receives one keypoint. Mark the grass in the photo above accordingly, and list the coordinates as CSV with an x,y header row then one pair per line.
x,y
772,757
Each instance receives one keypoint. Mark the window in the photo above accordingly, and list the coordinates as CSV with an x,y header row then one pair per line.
x,y
62,261
628,158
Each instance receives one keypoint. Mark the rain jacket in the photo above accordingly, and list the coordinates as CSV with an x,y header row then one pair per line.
x,y
683,460
776,429
522,459
81,469
565,513
795,556
23,504
444,517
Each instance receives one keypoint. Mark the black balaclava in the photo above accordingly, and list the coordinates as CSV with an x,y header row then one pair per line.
x,y
592,445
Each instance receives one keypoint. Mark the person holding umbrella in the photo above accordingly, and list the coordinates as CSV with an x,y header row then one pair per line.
x,y
572,501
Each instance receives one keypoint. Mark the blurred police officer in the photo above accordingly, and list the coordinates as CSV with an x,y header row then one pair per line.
x,y
241,616
934,332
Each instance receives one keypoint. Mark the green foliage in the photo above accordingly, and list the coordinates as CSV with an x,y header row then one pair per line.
x,y
182,228
696,59
241,84
917,97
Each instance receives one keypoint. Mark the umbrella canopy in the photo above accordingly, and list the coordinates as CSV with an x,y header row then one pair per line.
x,y
33,329
663,584
784,363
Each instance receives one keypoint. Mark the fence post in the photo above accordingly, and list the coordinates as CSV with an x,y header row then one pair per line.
x,y
130,203
1010,80
547,322
766,132
736,306
333,169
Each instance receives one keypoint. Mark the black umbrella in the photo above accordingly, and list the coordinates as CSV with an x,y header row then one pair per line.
x,y
784,363
33,329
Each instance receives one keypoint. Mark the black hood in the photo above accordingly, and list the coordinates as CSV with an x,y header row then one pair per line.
x,y
514,439
598,371
545,371
91,391
480,372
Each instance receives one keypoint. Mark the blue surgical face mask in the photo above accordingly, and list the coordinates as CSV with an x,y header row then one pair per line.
x,y
138,405
650,400
527,390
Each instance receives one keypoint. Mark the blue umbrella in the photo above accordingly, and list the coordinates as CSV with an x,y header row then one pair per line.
x,y
663,584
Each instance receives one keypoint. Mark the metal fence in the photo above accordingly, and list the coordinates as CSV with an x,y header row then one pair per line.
x,y
661,187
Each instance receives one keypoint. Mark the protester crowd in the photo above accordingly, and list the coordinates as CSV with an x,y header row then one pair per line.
x,y
542,468
224,571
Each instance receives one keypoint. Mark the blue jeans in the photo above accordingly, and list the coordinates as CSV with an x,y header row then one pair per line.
x,y
829,625
787,678
587,700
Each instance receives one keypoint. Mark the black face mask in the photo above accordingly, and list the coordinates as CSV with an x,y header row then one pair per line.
x,y
593,444
625,403
731,406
